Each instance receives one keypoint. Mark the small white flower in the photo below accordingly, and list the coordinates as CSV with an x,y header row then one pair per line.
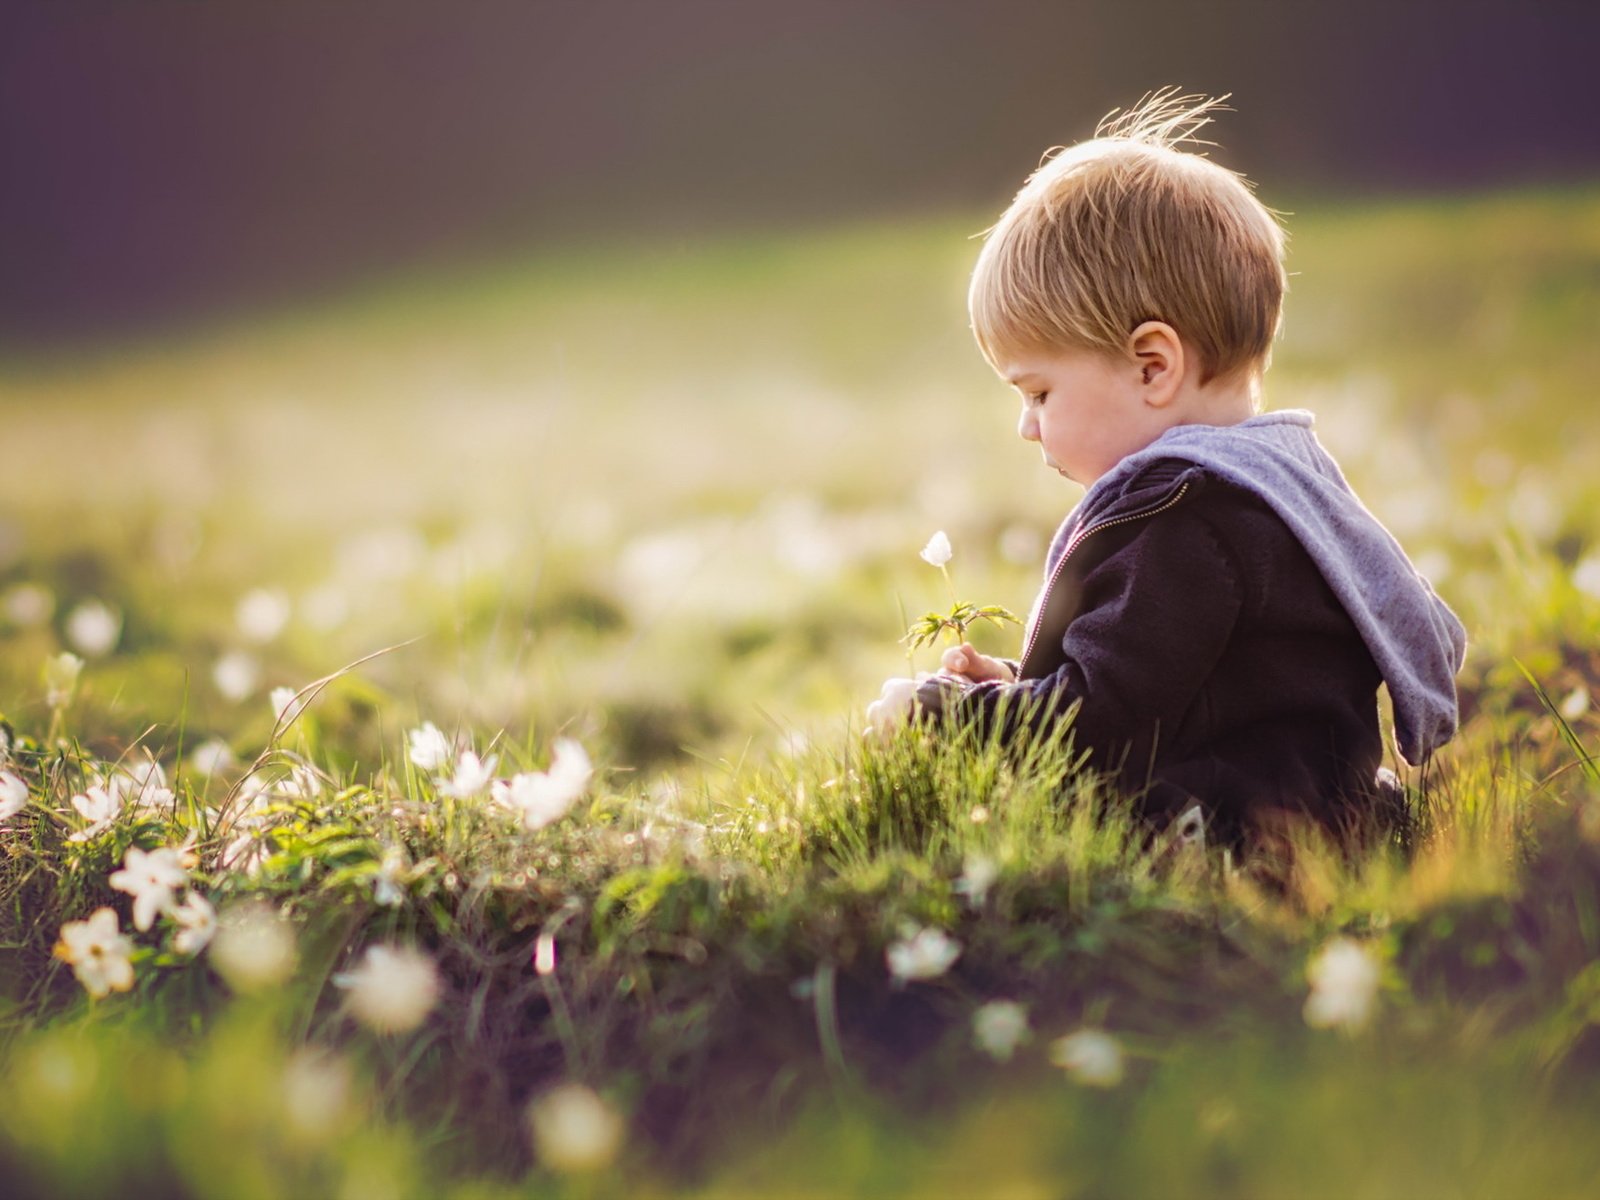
x,y
922,954
1575,704
392,989
472,775
93,628
100,805
1344,979
430,749
147,785
541,797
212,756
262,614
386,885
237,675
28,605
1091,1056
61,678
301,783
999,1027
98,952
317,1090
1586,575
284,705
978,875
152,878
937,552
13,795
197,922
574,1130
253,948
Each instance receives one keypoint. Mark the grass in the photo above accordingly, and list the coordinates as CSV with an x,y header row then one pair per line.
x,y
535,476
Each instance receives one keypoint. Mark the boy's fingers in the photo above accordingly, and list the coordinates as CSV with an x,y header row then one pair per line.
x,y
955,659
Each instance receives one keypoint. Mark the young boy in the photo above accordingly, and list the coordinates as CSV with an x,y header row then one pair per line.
x,y
1220,606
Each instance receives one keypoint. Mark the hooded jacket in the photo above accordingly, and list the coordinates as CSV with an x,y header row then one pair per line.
x,y
1222,608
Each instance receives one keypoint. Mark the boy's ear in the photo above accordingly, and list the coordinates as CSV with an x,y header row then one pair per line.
x,y
1157,352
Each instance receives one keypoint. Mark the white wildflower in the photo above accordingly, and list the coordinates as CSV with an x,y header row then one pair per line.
x,y
1575,704
937,552
922,954
285,707
93,628
1091,1056
262,614
28,605
98,952
61,678
212,756
316,1095
253,948
13,795
197,923
386,884
574,1130
237,675
147,785
392,989
471,776
100,805
430,749
999,1027
1344,979
542,797
1586,575
978,875
152,878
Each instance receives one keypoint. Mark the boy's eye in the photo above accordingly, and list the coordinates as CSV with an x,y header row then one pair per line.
x,y
1037,397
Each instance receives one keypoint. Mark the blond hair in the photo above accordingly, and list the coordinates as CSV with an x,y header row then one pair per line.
x,y
1128,228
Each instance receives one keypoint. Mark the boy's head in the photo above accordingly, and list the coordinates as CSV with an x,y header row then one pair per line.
x,y
1127,229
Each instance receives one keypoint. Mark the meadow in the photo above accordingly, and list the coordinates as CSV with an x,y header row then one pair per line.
x,y
640,523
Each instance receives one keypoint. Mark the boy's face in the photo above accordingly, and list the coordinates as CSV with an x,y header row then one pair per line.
x,y
1087,410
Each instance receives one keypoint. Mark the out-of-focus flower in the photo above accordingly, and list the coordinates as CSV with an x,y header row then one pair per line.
x,y
237,675
152,878
212,756
1575,704
28,605
262,613
978,875
61,678
100,805
147,784
93,628
13,795
197,923
999,1027
301,783
574,1130
1091,1056
1344,979
98,952
471,776
285,707
386,889
1586,575
430,749
317,1090
253,948
541,797
922,954
392,989
937,552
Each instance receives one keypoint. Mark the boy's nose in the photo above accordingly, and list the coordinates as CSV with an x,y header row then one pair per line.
x,y
1028,425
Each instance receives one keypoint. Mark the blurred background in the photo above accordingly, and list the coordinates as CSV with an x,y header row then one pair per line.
x,y
618,350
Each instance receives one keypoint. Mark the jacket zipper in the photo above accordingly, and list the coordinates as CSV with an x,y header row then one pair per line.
x,y
1078,540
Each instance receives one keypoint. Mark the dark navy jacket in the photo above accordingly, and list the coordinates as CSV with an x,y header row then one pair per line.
x,y
1209,658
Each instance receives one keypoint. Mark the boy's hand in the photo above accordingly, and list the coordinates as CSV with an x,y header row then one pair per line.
x,y
966,662
892,708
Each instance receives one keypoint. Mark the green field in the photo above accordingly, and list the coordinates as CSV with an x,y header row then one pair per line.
x,y
665,500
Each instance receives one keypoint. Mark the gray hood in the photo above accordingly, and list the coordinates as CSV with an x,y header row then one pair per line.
x,y
1416,641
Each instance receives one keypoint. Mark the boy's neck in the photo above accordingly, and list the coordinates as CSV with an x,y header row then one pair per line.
x,y
1224,401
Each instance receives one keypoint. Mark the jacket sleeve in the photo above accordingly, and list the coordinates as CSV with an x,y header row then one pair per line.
x,y
1154,618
